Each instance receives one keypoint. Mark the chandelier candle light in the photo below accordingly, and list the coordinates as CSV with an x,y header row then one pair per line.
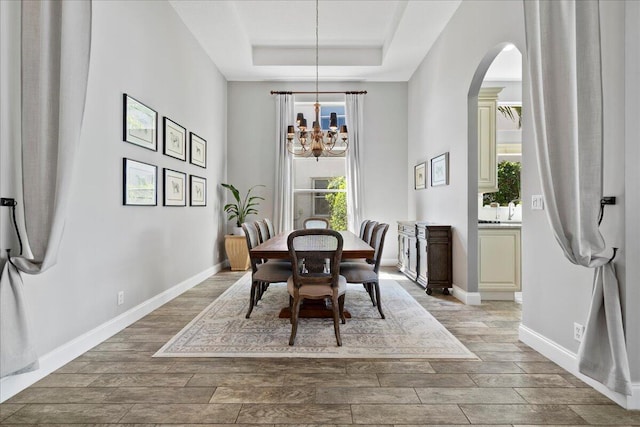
x,y
314,141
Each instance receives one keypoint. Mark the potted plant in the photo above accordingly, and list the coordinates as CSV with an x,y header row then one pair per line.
x,y
242,207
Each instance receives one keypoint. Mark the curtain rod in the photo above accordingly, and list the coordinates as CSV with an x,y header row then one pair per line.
x,y
279,92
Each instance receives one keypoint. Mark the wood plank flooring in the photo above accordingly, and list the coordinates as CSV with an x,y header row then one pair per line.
x,y
119,383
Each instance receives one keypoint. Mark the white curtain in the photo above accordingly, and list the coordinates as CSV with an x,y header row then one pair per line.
x,y
355,127
563,48
282,191
56,40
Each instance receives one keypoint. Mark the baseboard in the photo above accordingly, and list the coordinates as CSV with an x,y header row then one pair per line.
x,y
389,262
469,298
497,296
569,361
11,385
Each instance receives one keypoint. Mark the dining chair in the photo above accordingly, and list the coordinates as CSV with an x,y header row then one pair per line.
x,y
363,227
262,273
272,231
315,259
368,231
360,272
316,222
263,231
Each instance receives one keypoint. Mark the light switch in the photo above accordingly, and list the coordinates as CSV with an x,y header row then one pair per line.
x,y
537,203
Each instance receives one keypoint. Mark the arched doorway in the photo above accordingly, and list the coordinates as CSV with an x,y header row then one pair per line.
x,y
494,162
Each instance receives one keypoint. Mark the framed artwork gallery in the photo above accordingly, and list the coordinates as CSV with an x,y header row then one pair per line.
x,y
140,124
197,150
174,188
197,190
139,183
420,176
440,170
175,140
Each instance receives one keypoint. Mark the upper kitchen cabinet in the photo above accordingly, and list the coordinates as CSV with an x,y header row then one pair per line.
x,y
487,154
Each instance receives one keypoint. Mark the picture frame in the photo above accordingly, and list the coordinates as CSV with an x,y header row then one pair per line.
x,y
174,139
139,123
197,150
139,183
174,188
197,191
420,176
440,170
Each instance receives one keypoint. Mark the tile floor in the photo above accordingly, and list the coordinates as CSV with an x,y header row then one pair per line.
x,y
118,383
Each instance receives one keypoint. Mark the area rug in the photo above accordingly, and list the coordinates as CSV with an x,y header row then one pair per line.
x,y
408,331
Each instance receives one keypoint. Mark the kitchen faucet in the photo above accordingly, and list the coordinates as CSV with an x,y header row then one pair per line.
x,y
512,209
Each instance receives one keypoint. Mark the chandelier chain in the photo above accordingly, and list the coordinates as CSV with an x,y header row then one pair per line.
x,y
317,56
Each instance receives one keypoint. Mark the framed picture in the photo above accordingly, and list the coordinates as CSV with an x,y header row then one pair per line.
x,y
139,183
197,150
198,191
440,170
139,124
174,188
175,139
420,176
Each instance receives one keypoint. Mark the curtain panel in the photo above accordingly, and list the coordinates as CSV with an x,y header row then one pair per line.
x,y
282,191
56,41
564,58
355,195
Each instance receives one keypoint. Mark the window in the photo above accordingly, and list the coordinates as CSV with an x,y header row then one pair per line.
x,y
319,187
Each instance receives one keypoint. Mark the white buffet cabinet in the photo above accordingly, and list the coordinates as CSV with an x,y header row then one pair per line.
x,y
499,261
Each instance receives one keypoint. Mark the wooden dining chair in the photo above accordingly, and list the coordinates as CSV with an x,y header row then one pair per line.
x,y
315,259
367,274
262,273
263,231
316,222
270,228
368,231
363,228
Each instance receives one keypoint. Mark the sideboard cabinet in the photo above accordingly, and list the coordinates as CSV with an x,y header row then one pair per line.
x,y
425,254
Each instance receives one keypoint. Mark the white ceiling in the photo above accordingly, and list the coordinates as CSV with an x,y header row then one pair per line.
x,y
359,40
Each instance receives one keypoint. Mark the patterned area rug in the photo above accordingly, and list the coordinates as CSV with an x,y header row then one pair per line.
x,y
408,331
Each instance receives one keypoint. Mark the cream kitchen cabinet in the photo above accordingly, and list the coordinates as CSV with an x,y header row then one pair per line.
x,y
499,260
487,150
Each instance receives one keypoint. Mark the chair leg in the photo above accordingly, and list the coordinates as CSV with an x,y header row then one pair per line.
x,y
252,299
341,307
377,287
294,320
336,321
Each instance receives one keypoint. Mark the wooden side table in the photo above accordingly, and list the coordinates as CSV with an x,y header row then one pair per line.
x,y
237,252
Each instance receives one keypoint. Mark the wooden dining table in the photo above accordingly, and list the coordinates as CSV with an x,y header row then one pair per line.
x,y
353,247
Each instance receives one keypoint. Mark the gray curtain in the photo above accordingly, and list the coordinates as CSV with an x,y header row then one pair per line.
x,y
563,48
282,191
355,127
56,40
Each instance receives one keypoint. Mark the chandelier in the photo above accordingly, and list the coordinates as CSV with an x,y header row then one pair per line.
x,y
314,141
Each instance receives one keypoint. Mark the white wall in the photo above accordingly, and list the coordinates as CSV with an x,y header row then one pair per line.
x,y
108,247
632,185
438,93
555,292
251,146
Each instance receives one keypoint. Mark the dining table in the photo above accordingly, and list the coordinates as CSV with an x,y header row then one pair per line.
x,y
353,247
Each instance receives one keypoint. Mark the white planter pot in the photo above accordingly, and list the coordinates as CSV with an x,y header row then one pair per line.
x,y
238,231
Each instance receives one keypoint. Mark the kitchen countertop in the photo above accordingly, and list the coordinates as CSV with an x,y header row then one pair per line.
x,y
506,224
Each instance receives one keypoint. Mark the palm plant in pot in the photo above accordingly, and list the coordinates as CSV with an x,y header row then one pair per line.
x,y
242,207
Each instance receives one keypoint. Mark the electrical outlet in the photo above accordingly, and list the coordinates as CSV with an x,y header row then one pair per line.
x,y
120,297
4,201
537,203
578,331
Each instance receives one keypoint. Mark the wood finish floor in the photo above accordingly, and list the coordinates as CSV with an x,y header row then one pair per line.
x,y
118,382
